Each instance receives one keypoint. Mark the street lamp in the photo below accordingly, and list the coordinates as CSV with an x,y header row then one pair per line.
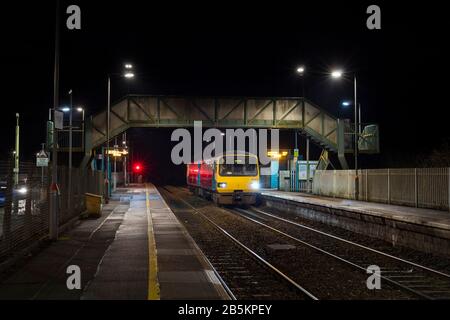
x,y
81,110
337,74
53,214
346,103
17,151
301,71
70,151
128,74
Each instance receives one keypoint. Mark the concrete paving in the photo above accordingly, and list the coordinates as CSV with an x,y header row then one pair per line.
x,y
183,271
426,217
44,276
137,250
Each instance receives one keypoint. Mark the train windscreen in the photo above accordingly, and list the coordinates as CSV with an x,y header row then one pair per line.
x,y
237,167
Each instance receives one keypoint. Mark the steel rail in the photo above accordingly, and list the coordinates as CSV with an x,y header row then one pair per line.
x,y
404,287
249,251
352,243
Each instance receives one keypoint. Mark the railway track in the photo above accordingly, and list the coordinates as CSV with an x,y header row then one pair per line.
x,y
325,275
246,273
417,279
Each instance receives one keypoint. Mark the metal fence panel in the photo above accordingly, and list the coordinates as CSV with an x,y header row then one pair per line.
x,y
335,183
377,185
402,187
24,208
423,188
433,188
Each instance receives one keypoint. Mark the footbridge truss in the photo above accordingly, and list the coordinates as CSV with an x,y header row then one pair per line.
x,y
300,114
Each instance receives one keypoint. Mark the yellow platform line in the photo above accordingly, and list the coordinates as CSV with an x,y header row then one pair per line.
x,y
153,283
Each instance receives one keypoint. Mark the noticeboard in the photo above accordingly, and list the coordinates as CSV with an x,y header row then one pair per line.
x,y
303,169
42,159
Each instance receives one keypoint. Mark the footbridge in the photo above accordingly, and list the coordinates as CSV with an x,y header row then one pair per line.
x,y
327,131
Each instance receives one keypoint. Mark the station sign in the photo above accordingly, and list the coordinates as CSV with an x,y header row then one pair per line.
x,y
118,153
42,159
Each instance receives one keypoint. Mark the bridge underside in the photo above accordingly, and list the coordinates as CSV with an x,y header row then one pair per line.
x,y
174,112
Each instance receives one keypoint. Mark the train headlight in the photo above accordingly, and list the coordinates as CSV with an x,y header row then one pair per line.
x,y
254,185
22,190
221,185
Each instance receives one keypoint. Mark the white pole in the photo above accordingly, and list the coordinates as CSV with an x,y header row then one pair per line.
x,y
69,195
107,139
17,152
125,161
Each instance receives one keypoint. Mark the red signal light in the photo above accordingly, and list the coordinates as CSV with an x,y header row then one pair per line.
x,y
137,168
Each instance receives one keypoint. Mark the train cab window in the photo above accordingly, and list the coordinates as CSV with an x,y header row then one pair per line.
x,y
238,169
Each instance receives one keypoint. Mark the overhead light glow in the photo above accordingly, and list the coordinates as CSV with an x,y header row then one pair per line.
x,y
301,70
128,66
79,109
129,75
336,74
276,154
65,109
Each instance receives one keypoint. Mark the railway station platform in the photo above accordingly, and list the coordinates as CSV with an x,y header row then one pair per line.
x,y
423,229
137,250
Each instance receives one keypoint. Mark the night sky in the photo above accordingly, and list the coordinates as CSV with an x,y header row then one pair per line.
x,y
228,49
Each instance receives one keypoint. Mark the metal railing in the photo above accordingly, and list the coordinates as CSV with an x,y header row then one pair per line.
x,y
24,208
415,187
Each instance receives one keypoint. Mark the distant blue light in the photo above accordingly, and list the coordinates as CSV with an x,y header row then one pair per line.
x,y
346,104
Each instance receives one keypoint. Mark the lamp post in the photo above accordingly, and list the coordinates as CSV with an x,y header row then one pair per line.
x,y
116,148
17,152
128,74
301,71
360,118
107,139
53,219
70,111
337,74
70,153
124,145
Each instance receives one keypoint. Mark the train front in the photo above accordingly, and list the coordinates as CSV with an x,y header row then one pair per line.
x,y
237,179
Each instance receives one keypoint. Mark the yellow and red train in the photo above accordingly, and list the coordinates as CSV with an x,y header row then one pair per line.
x,y
229,179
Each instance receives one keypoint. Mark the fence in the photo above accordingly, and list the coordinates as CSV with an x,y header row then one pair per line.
x,y
24,208
421,187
